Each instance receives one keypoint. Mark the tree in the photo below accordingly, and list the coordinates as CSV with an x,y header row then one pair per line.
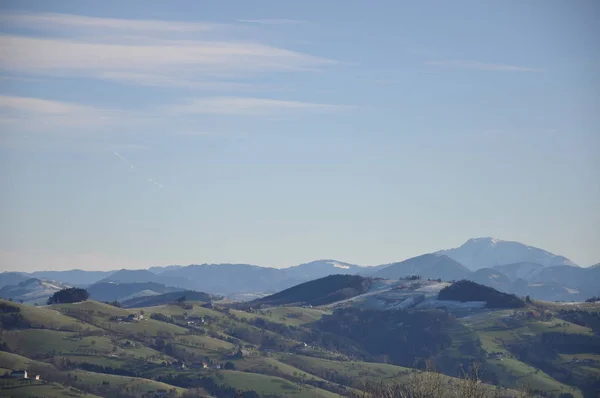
x,y
229,365
70,295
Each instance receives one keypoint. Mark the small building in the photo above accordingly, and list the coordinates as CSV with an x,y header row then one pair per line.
x,y
135,317
178,365
19,374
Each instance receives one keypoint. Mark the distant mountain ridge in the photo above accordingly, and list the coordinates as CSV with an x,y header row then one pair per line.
x,y
504,265
426,266
479,253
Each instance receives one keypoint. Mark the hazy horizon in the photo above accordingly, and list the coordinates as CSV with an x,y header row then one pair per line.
x,y
117,268
138,134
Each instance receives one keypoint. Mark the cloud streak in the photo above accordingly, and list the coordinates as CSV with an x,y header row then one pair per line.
x,y
34,113
144,52
54,21
272,21
477,65
157,80
248,106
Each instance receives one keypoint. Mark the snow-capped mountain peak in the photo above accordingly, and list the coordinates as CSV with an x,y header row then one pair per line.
x,y
484,252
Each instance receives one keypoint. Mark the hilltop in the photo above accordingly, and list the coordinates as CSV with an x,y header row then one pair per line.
x,y
322,291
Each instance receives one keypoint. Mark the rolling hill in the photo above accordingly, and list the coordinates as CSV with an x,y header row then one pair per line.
x,y
112,291
166,298
12,278
431,266
282,349
321,291
32,291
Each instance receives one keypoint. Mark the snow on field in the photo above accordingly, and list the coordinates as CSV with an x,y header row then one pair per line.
x,y
433,288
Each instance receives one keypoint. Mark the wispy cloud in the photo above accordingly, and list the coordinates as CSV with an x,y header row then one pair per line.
x,y
29,112
23,108
272,21
248,106
179,54
37,105
172,54
40,21
41,55
155,80
477,65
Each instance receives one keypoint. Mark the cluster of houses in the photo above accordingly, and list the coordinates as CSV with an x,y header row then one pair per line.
x,y
22,374
206,365
129,318
525,314
194,320
174,364
198,365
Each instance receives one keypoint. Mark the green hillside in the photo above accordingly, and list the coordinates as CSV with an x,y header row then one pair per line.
x,y
196,349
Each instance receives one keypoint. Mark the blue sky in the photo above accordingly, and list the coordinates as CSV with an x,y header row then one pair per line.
x,y
273,132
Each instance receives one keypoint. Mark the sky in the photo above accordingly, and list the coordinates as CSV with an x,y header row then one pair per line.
x,y
144,133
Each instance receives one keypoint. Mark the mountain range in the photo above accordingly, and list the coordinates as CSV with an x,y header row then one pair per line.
x,y
508,266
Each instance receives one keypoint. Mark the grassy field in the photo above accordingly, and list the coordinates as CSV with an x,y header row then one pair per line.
x,y
497,330
111,384
522,376
196,310
71,335
358,371
98,308
291,316
204,342
266,385
47,318
13,361
36,388
41,343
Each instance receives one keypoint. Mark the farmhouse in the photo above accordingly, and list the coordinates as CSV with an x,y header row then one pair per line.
x,y
19,374
135,317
